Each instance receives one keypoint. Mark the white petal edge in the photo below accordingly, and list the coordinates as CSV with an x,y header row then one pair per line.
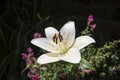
x,y
72,56
68,33
44,43
83,41
50,32
45,59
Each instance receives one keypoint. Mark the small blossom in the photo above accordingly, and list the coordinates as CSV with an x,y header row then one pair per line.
x,y
35,77
24,55
90,18
27,62
62,74
31,55
32,70
30,50
37,35
29,74
93,26
88,71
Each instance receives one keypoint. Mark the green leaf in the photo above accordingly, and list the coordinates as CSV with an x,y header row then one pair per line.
x,y
82,74
86,65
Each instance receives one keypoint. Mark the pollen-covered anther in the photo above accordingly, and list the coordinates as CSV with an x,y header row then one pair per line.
x,y
57,38
60,38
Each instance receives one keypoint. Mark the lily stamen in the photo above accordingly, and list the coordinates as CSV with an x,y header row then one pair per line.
x,y
57,38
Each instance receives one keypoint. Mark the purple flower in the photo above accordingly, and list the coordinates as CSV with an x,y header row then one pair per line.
x,y
88,71
31,55
35,77
32,70
24,55
90,18
29,74
37,35
30,50
79,70
93,26
27,62
62,74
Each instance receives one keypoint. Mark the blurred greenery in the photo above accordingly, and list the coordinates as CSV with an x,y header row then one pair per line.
x,y
20,19
105,59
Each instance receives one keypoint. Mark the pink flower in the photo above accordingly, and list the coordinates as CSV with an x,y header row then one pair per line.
x,y
62,74
79,70
24,55
35,77
30,50
32,70
27,62
88,71
29,74
37,35
93,26
90,18
31,55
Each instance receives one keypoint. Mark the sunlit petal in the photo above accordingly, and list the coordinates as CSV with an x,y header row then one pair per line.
x,y
45,44
83,41
47,58
68,33
72,56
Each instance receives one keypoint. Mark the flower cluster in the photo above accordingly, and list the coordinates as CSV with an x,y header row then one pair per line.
x,y
30,63
90,26
33,74
37,35
29,58
90,20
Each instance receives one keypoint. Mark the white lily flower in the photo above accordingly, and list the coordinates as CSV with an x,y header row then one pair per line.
x,y
62,45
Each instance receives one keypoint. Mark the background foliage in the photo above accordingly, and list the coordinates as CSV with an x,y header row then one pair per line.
x,y
19,19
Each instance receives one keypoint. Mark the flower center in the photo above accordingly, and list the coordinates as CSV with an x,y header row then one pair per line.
x,y
57,38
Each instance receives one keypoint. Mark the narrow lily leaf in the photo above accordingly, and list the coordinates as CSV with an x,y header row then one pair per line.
x,y
82,74
2,36
86,65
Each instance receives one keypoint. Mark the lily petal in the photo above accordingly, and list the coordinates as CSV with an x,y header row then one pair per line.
x,y
72,56
44,43
83,41
47,58
50,32
68,33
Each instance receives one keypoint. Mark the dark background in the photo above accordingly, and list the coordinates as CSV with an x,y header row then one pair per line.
x,y
18,14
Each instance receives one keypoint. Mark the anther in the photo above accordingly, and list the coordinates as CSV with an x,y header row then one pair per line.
x,y
60,38
57,38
